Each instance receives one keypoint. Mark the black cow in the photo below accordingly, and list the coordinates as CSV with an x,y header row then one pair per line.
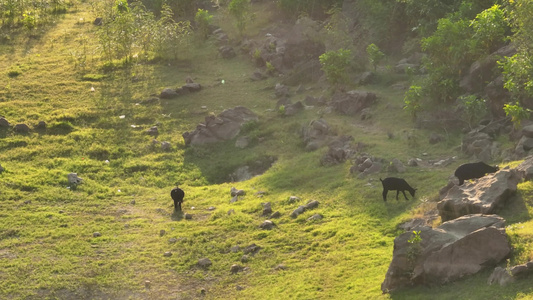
x,y
177,195
398,185
473,171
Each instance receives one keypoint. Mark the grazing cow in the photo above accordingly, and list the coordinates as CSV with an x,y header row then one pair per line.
x,y
473,171
177,195
398,185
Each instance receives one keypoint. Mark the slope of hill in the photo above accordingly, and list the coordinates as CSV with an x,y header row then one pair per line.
x,y
116,235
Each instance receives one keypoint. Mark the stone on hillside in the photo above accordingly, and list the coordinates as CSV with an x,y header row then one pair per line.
x,y
396,166
21,128
293,199
236,192
267,225
281,90
316,134
97,234
275,215
167,254
192,87
455,249
500,276
1,169
153,131
527,131
526,168
300,210
315,217
168,93
339,150
204,263
4,123
74,179
187,216
352,102
435,138
293,109
242,142
524,145
485,195
226,52
235,268
312,204
252,249
267,209
226,126
40,125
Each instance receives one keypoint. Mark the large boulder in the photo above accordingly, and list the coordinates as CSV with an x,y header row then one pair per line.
x,y
484,195
225,126
455,249
316,134
352,102
339,150
526,168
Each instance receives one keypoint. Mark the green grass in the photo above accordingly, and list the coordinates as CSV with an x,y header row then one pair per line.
x,y
47,248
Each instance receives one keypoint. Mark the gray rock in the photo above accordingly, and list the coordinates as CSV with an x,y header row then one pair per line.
x,y
204,263
252,249
4,123
167,254
245,258
168,93
236,192
300,210
165,146
235,268
315,217
311,204
500,276
242,142
484,195
187,216
73,179
275,215
21,128
527,131
97,234
267,225
267,209
153,131
352,102
396,166
451,251
172,240
293,199
525,168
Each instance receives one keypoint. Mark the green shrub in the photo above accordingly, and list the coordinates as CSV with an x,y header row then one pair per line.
x,y
517,113
474,108
239,9
412,100
335,65
203,20
374,55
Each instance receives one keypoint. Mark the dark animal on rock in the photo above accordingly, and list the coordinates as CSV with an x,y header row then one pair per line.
x,y
473,171
398,185
177,195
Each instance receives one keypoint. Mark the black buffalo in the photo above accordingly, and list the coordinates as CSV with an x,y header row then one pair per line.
x,y
177,195
398,185
473,171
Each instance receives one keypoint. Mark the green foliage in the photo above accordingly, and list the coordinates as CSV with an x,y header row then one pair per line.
x,y
310,7
374,55
335,65
29,20
517,113
270,68
415,248
203,20
474,108
412,100
240,10
489,27
518,75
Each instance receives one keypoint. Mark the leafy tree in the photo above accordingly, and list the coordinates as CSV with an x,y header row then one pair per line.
x,y
517,113
412,100
203,20
374,55
335,65
489,28
474,109
239,9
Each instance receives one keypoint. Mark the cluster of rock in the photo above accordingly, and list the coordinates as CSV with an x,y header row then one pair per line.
x,y
187,88
366,164
471,238
226,126
20,128
524,146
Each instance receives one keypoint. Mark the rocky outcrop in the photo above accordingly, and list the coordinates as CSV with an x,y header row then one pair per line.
x,y
225,126
339,150
352,102
316,134
455,249
526,168
484,195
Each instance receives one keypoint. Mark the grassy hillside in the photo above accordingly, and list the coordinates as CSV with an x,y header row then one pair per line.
x,y
47,243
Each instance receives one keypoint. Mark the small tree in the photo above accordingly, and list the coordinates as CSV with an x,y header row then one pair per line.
x,y
412,100
517,113
239,9
335,65
374,55
474,108
203,20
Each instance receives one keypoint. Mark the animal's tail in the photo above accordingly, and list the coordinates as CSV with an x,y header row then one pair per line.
x,y
380,179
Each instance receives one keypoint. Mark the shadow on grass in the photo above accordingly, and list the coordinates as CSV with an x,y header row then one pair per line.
x,y
177,215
